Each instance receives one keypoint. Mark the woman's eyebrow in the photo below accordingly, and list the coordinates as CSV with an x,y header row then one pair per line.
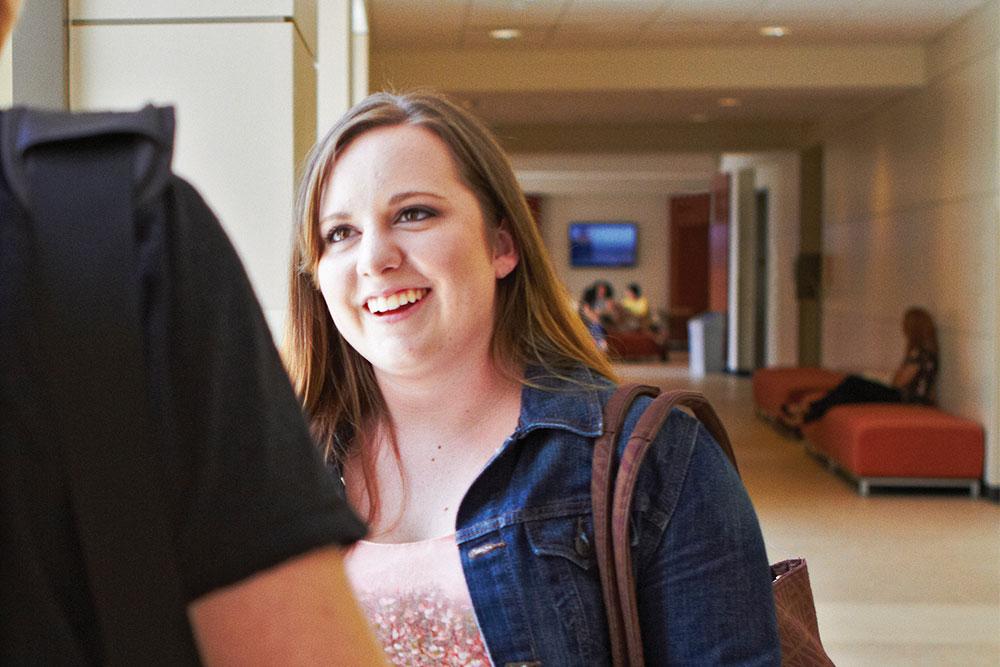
x,y
393,200
400,196
336,215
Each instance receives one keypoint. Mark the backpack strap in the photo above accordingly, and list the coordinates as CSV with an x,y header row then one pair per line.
x,y
81,177
612,527
149,130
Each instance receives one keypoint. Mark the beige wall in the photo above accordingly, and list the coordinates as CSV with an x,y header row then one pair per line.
x,y
911,217
634,187
649,211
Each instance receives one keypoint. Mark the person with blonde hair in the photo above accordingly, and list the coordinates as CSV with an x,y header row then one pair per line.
x,y
458,396
913,381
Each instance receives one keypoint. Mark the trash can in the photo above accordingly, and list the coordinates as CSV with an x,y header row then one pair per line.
x,y
706,343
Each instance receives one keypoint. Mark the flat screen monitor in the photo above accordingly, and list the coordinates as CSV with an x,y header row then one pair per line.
x,y
602,243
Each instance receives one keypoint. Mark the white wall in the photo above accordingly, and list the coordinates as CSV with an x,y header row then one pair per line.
x,y
778,173
912,217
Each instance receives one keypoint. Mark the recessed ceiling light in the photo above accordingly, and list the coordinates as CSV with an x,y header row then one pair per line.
x,y
729,102
505,33
774,31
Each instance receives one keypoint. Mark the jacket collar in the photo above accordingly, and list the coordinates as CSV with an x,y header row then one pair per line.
x,y
569,401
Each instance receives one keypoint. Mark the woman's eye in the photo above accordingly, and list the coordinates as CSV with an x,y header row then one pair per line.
x,y
415,214
338,234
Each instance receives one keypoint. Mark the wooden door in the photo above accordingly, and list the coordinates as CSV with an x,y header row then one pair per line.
x,y
535,206
689,262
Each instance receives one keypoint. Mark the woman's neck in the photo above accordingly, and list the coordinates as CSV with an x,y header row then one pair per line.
x,y
444,405
446,429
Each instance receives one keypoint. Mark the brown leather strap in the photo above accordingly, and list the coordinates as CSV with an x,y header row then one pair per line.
x,y
602,479
613,551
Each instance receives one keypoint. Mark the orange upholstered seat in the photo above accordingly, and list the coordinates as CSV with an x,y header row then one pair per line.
x,y
773,387
893,444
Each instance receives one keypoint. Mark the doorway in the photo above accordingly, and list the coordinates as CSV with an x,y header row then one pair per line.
x,y
760,281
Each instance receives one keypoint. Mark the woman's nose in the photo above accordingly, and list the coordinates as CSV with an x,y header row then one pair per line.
x,y
378,252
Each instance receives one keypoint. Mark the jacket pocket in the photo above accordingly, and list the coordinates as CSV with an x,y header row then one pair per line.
x,y
569,537
566,597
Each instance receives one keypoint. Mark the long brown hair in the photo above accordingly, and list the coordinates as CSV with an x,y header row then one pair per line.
x,y
534,323
918,327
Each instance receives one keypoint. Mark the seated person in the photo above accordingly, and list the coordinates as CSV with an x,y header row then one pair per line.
x,y
634,303
592,320
603,303
913,381
634,310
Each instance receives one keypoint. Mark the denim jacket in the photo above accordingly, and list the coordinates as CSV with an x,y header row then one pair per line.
x,y
525,533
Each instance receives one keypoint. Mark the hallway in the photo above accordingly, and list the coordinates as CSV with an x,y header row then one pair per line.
x,y
900,577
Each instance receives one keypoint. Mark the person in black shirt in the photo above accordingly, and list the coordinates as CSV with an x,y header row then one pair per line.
x,y
256,521
913,381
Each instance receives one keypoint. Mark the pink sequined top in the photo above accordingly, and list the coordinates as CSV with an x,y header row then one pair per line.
x,y
416,599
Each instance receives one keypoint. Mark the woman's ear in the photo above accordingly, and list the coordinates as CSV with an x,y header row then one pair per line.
x,y
505,256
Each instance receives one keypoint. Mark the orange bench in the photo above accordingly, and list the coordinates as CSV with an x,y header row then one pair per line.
x,y
773,387
884,444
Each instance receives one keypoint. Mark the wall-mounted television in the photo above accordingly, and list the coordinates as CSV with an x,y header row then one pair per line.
x,y
602,243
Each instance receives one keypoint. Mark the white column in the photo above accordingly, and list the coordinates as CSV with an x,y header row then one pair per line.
x,y
6,77
33,66
334,69
241,74
359,67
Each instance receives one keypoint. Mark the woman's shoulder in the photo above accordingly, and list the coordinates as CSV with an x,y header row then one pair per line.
x,y
579,394
569,397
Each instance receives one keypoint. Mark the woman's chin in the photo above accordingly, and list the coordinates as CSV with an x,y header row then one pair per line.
x,y
392,361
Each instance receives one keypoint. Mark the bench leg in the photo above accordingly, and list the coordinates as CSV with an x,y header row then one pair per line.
x,y
863,487
974,489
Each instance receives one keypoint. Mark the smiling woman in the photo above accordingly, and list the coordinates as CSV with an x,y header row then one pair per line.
x,y
407,271
458,396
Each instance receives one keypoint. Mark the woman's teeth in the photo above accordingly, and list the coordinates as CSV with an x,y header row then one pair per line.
x,y
385,304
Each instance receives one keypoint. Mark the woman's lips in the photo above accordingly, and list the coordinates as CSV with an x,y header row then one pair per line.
x,y
387,305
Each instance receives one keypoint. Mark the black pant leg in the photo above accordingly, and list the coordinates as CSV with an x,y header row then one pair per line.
x,y
854,389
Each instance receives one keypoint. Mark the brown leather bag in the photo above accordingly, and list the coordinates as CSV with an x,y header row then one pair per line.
x,y
612,505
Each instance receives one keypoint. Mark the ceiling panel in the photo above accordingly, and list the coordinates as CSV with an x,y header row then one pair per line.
x,y
594,36
792,10
505,13
711,10
626,12
664,33
403,24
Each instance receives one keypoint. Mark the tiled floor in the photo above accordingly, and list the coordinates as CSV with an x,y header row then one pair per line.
x,y
900,577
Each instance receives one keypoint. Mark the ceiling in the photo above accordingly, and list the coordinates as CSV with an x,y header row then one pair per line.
x,y
548,24
406,28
